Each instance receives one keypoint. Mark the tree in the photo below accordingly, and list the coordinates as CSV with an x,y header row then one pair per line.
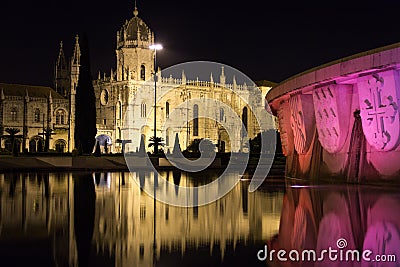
x,y
156,142
271,139
47,132
12,137
85,112
206,147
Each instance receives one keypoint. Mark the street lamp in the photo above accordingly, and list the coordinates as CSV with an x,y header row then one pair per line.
x,y
155,47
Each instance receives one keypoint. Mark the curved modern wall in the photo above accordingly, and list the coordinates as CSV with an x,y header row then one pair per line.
x,y
341,120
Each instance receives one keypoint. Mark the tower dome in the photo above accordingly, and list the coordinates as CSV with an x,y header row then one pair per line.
x,y
135,33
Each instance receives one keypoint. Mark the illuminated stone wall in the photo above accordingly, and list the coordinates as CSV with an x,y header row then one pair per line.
x,y
341,120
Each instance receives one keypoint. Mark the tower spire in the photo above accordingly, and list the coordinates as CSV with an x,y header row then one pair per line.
x,y
61,72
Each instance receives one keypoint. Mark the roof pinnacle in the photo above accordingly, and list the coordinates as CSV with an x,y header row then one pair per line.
x,y
135,12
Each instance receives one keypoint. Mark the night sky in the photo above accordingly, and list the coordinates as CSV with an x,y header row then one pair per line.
x,y
270,40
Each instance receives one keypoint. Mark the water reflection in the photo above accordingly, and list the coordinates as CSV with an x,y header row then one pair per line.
x,y
105,219
316,217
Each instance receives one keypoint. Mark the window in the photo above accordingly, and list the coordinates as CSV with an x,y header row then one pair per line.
x,y
37,115
143,110
60,116
167,109
141,251
118,133
14,113
119,110
221,115
142,212
104,121
244,117
142,72
195,120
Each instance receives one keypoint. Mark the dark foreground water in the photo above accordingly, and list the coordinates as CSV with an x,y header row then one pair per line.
x,y
104,219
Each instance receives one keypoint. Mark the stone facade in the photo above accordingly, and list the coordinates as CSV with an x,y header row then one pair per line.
x,y
30,109
125,102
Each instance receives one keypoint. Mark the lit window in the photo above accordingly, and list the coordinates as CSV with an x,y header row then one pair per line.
x,y
142,212
195,120
14,113
167,109
143,110
221,115
37,115
60,117
142,72
119,110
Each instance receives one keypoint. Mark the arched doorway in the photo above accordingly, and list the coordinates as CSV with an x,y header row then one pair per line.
x,y
36,144
8,145
60,145
105,142
224,142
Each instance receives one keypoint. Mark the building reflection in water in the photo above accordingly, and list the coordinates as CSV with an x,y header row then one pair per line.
x,y
316,217
105,219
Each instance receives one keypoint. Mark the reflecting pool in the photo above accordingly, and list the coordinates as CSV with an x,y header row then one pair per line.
x,y
105,219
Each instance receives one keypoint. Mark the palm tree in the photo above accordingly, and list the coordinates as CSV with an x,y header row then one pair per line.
x,y
156,142
12,137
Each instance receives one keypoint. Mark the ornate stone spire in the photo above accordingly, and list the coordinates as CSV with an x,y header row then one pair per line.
x,y
183,77
61,58
222,76
77,52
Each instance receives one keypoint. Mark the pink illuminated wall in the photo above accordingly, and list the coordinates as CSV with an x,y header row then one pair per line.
x,y
341,121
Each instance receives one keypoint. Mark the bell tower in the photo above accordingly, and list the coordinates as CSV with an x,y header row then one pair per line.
x,y
135,60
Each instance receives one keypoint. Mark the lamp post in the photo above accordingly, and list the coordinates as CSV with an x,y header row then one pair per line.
x,y
155,47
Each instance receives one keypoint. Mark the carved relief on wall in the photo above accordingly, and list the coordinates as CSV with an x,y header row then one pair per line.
x,y
332,105
285,130
378,98
302,121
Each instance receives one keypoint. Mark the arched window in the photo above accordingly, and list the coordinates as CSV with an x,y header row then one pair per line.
x,y
60,145
143,110
14,113
36,144
195,120
142,72
60,116
244,117
119,110
118,133
167,109
37,115
221,115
